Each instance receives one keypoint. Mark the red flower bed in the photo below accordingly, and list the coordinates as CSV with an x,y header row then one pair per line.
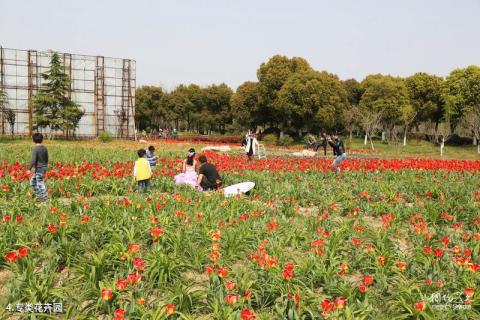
x,y
228,163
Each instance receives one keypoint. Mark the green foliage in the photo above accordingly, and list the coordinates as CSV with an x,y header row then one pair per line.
x,y
272,75
246,107
52,107
8,114
148,109
286,140
354,91
387,95
270,139
311,99
462,93
105,136
426,96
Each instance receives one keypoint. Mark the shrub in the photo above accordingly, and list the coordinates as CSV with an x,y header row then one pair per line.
x,y
270,139
105,136
286,140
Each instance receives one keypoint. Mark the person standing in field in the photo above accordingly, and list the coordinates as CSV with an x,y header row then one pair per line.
x,y
142,172
339,151
324,144
251,144
151,157
39,165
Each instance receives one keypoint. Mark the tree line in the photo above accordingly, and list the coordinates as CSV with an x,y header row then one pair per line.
x,y
290,96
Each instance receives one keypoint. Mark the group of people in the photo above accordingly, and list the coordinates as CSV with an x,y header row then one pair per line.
x,y
162,133
200,175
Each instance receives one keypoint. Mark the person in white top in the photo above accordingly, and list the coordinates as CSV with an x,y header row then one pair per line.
x,y
251,145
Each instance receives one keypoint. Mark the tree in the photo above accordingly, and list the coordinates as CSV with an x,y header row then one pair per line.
x,y
271,76
3,107
387,95
246,106
217,110
425,93
148,110
311,99
370,121
52,106
461,94
354,95
471,122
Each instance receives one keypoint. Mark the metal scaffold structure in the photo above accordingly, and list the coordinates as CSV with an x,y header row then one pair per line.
x,y
104,88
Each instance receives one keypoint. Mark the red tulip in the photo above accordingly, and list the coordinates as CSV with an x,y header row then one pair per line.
x,y
19,218
362,288
121,285
210,269
327,306
231,298
474,267
247,295
222,272
216,235
85,219
52,228
106,294
356,241
119,314
469,292
214,256
133,247
247,315
419,306
230,285
170,308
340,302
367,280
138,264
156,232
12,257
382,260
427,250
23,251
445,240
6,218
438,252
288,271
134,278
401,265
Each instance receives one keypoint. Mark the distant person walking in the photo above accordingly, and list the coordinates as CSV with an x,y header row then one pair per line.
x,y
251,144
339,151
324,143
39,163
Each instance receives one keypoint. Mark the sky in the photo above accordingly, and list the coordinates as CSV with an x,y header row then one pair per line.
x,y
213,41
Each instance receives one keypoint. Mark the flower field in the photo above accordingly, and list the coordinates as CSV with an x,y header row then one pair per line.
x,y
386,239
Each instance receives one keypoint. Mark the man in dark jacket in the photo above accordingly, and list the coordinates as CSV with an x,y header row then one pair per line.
x,y
338,150
208,177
